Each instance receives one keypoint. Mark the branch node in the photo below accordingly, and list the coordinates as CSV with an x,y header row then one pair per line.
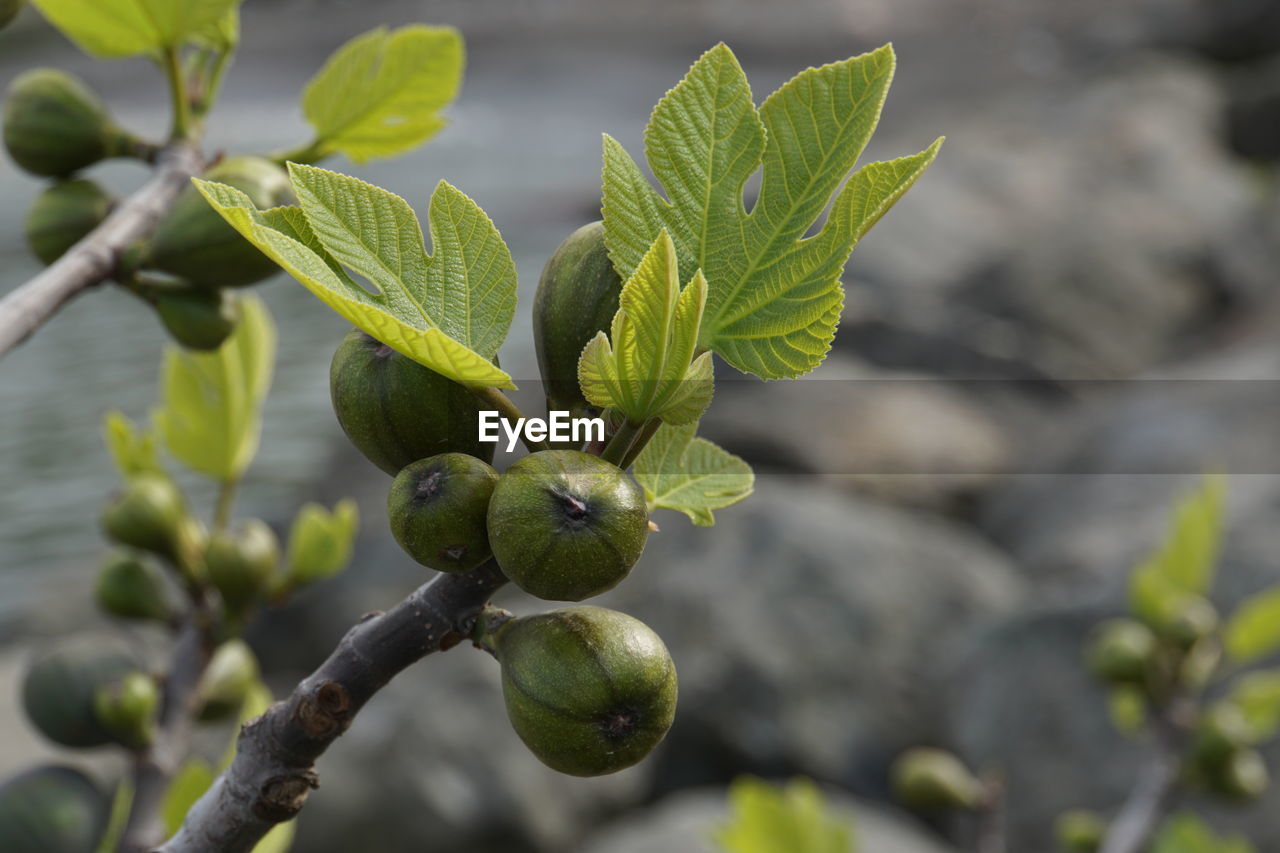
x,y
282,797
325,712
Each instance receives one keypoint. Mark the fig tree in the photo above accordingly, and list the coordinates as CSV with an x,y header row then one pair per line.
x,y
437,508
63,215
195,317
565,525
195,244
577,297
51,809
240,563
934,780
590,691
1122,651
60,686
132,589
55,126
395,411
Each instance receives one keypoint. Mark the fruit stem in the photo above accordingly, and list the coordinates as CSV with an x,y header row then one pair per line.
x,y
177,94
488,623
312,152
509,411
213,83
616,450
646,434
226,499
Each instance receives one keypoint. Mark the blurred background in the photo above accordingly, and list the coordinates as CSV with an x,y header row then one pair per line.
x,y
1071,316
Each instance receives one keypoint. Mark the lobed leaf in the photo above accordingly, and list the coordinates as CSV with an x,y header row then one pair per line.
x,y
118,28
210,416
688,474
767,819
381,93
1257,695
320,543
774,296
646,368
1184,562
1253,631
449,311
132,449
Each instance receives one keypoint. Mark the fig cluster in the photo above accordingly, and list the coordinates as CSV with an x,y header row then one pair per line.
x,y
56,127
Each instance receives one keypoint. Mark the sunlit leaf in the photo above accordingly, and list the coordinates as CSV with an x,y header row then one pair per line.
x,y
116,28
1253,631
1184,562
789,819
688,474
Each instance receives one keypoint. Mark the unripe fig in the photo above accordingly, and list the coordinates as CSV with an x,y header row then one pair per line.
x,y
437,508
128,707
933,779
51,809
63,215
1122,651
1243,776
132,589
395,411
1191,619
240,563
232,672
147,515
195,244
1221,731
59,688
55,126
1080,831
565,525
9,10
577,297
197,318
590,691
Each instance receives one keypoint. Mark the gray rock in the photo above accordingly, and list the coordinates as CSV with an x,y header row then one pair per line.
x,y
686,822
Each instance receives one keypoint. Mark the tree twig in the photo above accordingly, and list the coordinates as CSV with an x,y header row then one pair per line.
x,y
1142,812
155,766
96,257
273,771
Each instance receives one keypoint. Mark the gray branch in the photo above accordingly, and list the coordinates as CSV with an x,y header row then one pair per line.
x,y
1142,812
94,259
274,768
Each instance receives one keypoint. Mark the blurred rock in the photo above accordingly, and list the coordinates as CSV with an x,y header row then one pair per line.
x,y
1253,111
804,626
899,437
686,822
1086,230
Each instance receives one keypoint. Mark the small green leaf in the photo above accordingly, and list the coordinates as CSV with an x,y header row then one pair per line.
x,y
1253,631
193,778
774,297
381,93
1184,562
279,839
688,474
430,309
769,819
646,367
1128,710
133,450
117,28
320,543
211,414
222,34
1257,694
1187,833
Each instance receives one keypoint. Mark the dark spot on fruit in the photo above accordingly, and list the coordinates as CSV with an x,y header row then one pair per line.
x,y
430,486
575,509
454,552
619,724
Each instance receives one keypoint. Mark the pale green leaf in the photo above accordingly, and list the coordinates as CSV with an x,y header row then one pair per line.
x,y
1257,695
1253,631
279,839
222,34
133,450
193,778
688,474
1184,562
381,93
645,368
1187,833
320,543
116,28
774,296
469,285
211,411
794,818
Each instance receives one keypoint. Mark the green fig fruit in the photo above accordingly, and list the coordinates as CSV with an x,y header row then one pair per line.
x,y
58,689
55,126
147,515
1221,731
395,411
226,682
1080,831
195,244
128,708
590,691
63,215
934,780
9,10
196,317
565,525
1122,651
437,508
133,589
577,297
241,563
1187,621
1243,776
51,809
